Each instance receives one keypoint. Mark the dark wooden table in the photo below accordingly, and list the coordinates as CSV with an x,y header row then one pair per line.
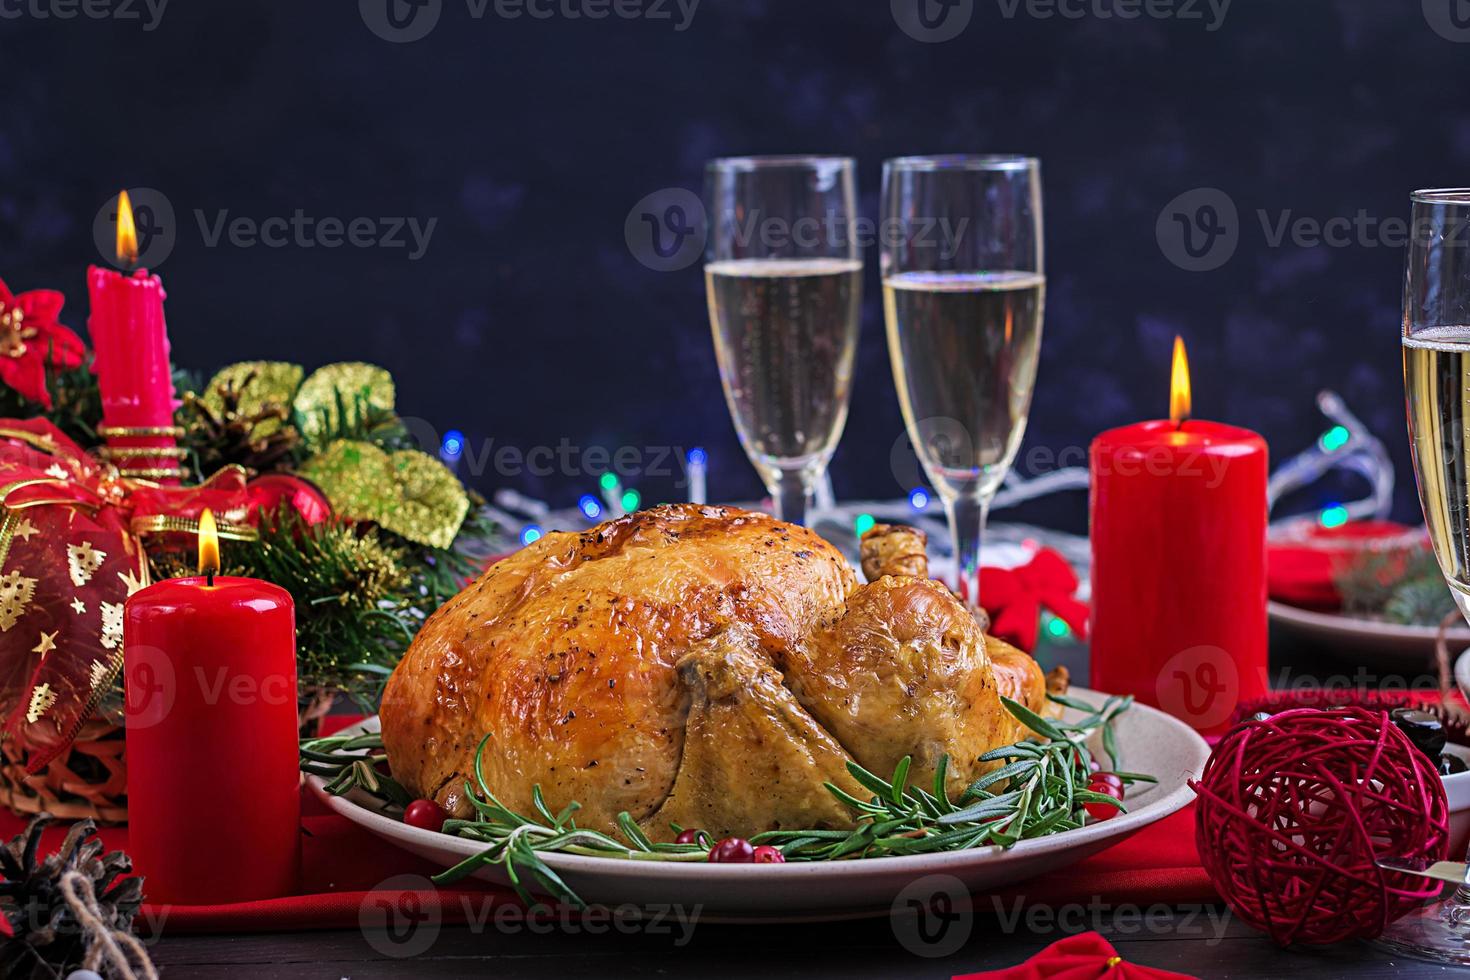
x,y
1204,941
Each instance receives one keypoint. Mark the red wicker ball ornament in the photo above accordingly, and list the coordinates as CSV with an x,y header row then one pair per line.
x,y
1293,812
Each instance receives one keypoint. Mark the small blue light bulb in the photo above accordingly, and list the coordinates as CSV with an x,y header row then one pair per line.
x,y
453,443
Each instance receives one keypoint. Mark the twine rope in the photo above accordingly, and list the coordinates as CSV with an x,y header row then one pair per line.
x,y
127,958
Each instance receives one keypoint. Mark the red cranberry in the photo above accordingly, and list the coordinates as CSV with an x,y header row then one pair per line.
x,y
1107,784
425,815
690,837
766,854
732,850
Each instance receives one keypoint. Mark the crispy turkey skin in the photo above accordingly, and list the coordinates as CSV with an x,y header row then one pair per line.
x,y
708,666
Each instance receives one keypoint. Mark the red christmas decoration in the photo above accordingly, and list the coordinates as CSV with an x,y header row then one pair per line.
x,y
1014,598
1293,813
32,339
265,494
1087,956
71,545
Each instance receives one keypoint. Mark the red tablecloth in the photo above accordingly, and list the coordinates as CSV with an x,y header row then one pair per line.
x,y
342,863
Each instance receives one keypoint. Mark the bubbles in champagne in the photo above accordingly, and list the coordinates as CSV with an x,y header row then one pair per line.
x,y
964,348
785,335
1437,380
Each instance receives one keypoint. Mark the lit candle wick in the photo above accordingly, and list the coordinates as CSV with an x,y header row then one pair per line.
x,y
127,231
1180,401
208,546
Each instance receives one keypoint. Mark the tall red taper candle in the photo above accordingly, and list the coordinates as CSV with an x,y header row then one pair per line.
x,y
213,801
132,359
1179,563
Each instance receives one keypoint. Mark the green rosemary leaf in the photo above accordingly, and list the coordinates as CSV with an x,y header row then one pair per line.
x,y
1032,720
880,787
900,779
632,831
1110,746
1135,777
1016,768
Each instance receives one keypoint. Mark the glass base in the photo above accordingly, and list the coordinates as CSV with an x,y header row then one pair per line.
x,y
1439,932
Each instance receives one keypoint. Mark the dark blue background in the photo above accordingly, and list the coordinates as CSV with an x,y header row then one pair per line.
x,y
529,321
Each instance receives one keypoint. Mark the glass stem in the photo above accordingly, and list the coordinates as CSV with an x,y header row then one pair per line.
x,y
966,528
789,491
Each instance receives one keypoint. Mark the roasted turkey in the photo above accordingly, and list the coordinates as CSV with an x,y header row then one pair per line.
x,y
703,666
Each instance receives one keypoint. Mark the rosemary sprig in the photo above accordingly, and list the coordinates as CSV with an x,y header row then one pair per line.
x,y
1039,789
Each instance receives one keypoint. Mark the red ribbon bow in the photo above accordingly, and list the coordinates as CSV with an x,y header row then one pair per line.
x,y
1083,957
70,555
1014,598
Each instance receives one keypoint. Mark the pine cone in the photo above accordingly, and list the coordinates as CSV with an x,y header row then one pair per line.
x,y
260,440
46,940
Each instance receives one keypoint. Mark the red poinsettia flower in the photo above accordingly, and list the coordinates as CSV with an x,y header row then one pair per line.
x,y
32,339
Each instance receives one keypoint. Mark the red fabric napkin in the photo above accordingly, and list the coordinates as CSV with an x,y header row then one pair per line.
x,y
342,864
1302,572
1081,957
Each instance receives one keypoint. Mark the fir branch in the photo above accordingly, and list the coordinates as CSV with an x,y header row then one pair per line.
x,y
1394,587
76,404
353,416
356,614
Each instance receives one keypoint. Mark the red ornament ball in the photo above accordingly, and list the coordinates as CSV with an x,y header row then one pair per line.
x,y
267,493
1293,812
425,815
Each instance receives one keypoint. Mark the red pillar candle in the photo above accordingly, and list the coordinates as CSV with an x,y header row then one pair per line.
x,y
1179,563
132,362
213,801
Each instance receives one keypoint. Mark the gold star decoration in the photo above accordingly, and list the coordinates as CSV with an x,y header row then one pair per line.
x,y
42,698
132,581
25,529
47,644
78,606
16,592
100,674
112,625
82,562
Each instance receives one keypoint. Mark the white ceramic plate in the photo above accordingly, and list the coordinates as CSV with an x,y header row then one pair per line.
x,y
1408,649
1151,742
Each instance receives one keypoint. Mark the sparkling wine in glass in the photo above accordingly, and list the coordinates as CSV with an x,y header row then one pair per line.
x,y
1436,346
963,296
784,284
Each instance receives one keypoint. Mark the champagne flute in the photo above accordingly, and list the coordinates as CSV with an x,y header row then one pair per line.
x,y
963,294
784,282
1436,346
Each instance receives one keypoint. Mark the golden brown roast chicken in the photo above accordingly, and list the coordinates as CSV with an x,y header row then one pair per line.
x,y
705,666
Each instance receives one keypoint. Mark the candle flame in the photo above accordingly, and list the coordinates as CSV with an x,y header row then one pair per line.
x,y
208,544
127,232
1179,394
